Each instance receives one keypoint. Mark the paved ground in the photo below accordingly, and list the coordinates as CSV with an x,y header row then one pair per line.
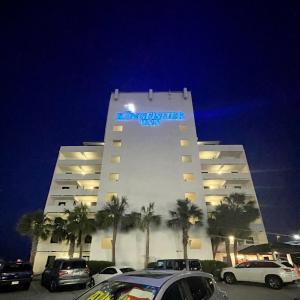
x,y
235,292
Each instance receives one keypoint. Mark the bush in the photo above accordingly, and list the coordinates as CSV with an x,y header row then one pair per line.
x,y
213,267
96,266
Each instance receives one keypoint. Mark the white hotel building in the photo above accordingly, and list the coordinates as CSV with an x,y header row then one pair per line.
x,y
150,153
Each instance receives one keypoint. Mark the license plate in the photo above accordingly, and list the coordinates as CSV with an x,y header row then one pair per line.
x,y
14,282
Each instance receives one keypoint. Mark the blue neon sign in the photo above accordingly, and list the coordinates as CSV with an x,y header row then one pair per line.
x,y
150,118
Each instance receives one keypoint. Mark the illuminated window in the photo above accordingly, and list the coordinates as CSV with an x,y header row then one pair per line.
x,y
118,128
115,177
106,243
195,243
186,158
117,143
183,127
188,177
184,143
109,196
115,159
191,196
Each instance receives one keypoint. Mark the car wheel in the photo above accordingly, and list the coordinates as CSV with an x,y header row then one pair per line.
x,y
82,286
53,286
26,286
91,283
229,278
274,282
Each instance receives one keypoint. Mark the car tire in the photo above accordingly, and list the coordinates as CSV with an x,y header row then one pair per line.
x,y
274,282
229,278
53,286
91,282
82,286
26,286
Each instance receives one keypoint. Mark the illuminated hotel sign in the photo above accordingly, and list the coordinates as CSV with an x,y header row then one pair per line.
x,y
150,118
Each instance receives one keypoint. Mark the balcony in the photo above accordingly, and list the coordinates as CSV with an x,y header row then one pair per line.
x,y
77,176
226,176
78,162
74,192
223,161
227,191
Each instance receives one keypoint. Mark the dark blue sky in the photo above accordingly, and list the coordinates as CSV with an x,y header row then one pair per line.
x,y
61,59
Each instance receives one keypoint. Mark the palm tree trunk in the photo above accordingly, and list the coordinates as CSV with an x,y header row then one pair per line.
x,y
185,239
80,244
215,246
34,243
235,251
71,248
114,243
147,246
227,244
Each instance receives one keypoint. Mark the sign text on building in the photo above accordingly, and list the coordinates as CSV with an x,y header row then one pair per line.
x,y
150,118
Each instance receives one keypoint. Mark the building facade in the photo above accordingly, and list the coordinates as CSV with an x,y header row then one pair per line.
x,y
150,153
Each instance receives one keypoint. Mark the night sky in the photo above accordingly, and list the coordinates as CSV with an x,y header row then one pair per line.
x,y
60,60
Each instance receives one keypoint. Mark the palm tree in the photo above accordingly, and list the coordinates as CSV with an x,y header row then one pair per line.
x,y
111,216
214,232
59,229
184,217
144,221
78,225
34,225
232,218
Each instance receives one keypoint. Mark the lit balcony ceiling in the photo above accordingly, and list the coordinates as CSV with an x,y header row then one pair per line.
x,y
80,155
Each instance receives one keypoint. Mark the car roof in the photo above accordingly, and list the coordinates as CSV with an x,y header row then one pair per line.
x,y
119,267
156,278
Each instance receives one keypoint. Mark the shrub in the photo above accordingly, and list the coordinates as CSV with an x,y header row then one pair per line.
x,y
96,266
213,267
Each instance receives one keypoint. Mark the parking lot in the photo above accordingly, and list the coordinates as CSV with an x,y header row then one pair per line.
x,y
235,292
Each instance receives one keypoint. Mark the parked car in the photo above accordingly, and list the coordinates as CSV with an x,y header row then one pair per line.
x,y
62,272
15,274
178,264
109,272
161,285
273,273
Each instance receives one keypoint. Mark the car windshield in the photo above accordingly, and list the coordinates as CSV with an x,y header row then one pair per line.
x,y
119,290
14,267
287,264
126,270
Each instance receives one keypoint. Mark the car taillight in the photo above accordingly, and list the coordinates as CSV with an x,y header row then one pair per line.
x,y
287,270
62,273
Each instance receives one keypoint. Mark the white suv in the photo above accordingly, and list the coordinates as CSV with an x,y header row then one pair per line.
x,y
273,273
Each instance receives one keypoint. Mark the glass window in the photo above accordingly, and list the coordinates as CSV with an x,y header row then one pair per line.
x,y
184,143
15,267
118,128
88,239
109,271
115,159
183,127
174,292
191,196
186,158
188,177
287,264
200,287
245,264
74,264
126,270
117,143
115,177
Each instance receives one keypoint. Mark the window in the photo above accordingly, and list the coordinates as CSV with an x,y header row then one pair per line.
x,y
126,270
195,243
109,196
73,264
188,177
184,143
106,243
117,143
118,128
65,187
201,288
115,159
186,158
109,271
183,127
61,203
173,292
115,177
191,196
88,239
250,240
